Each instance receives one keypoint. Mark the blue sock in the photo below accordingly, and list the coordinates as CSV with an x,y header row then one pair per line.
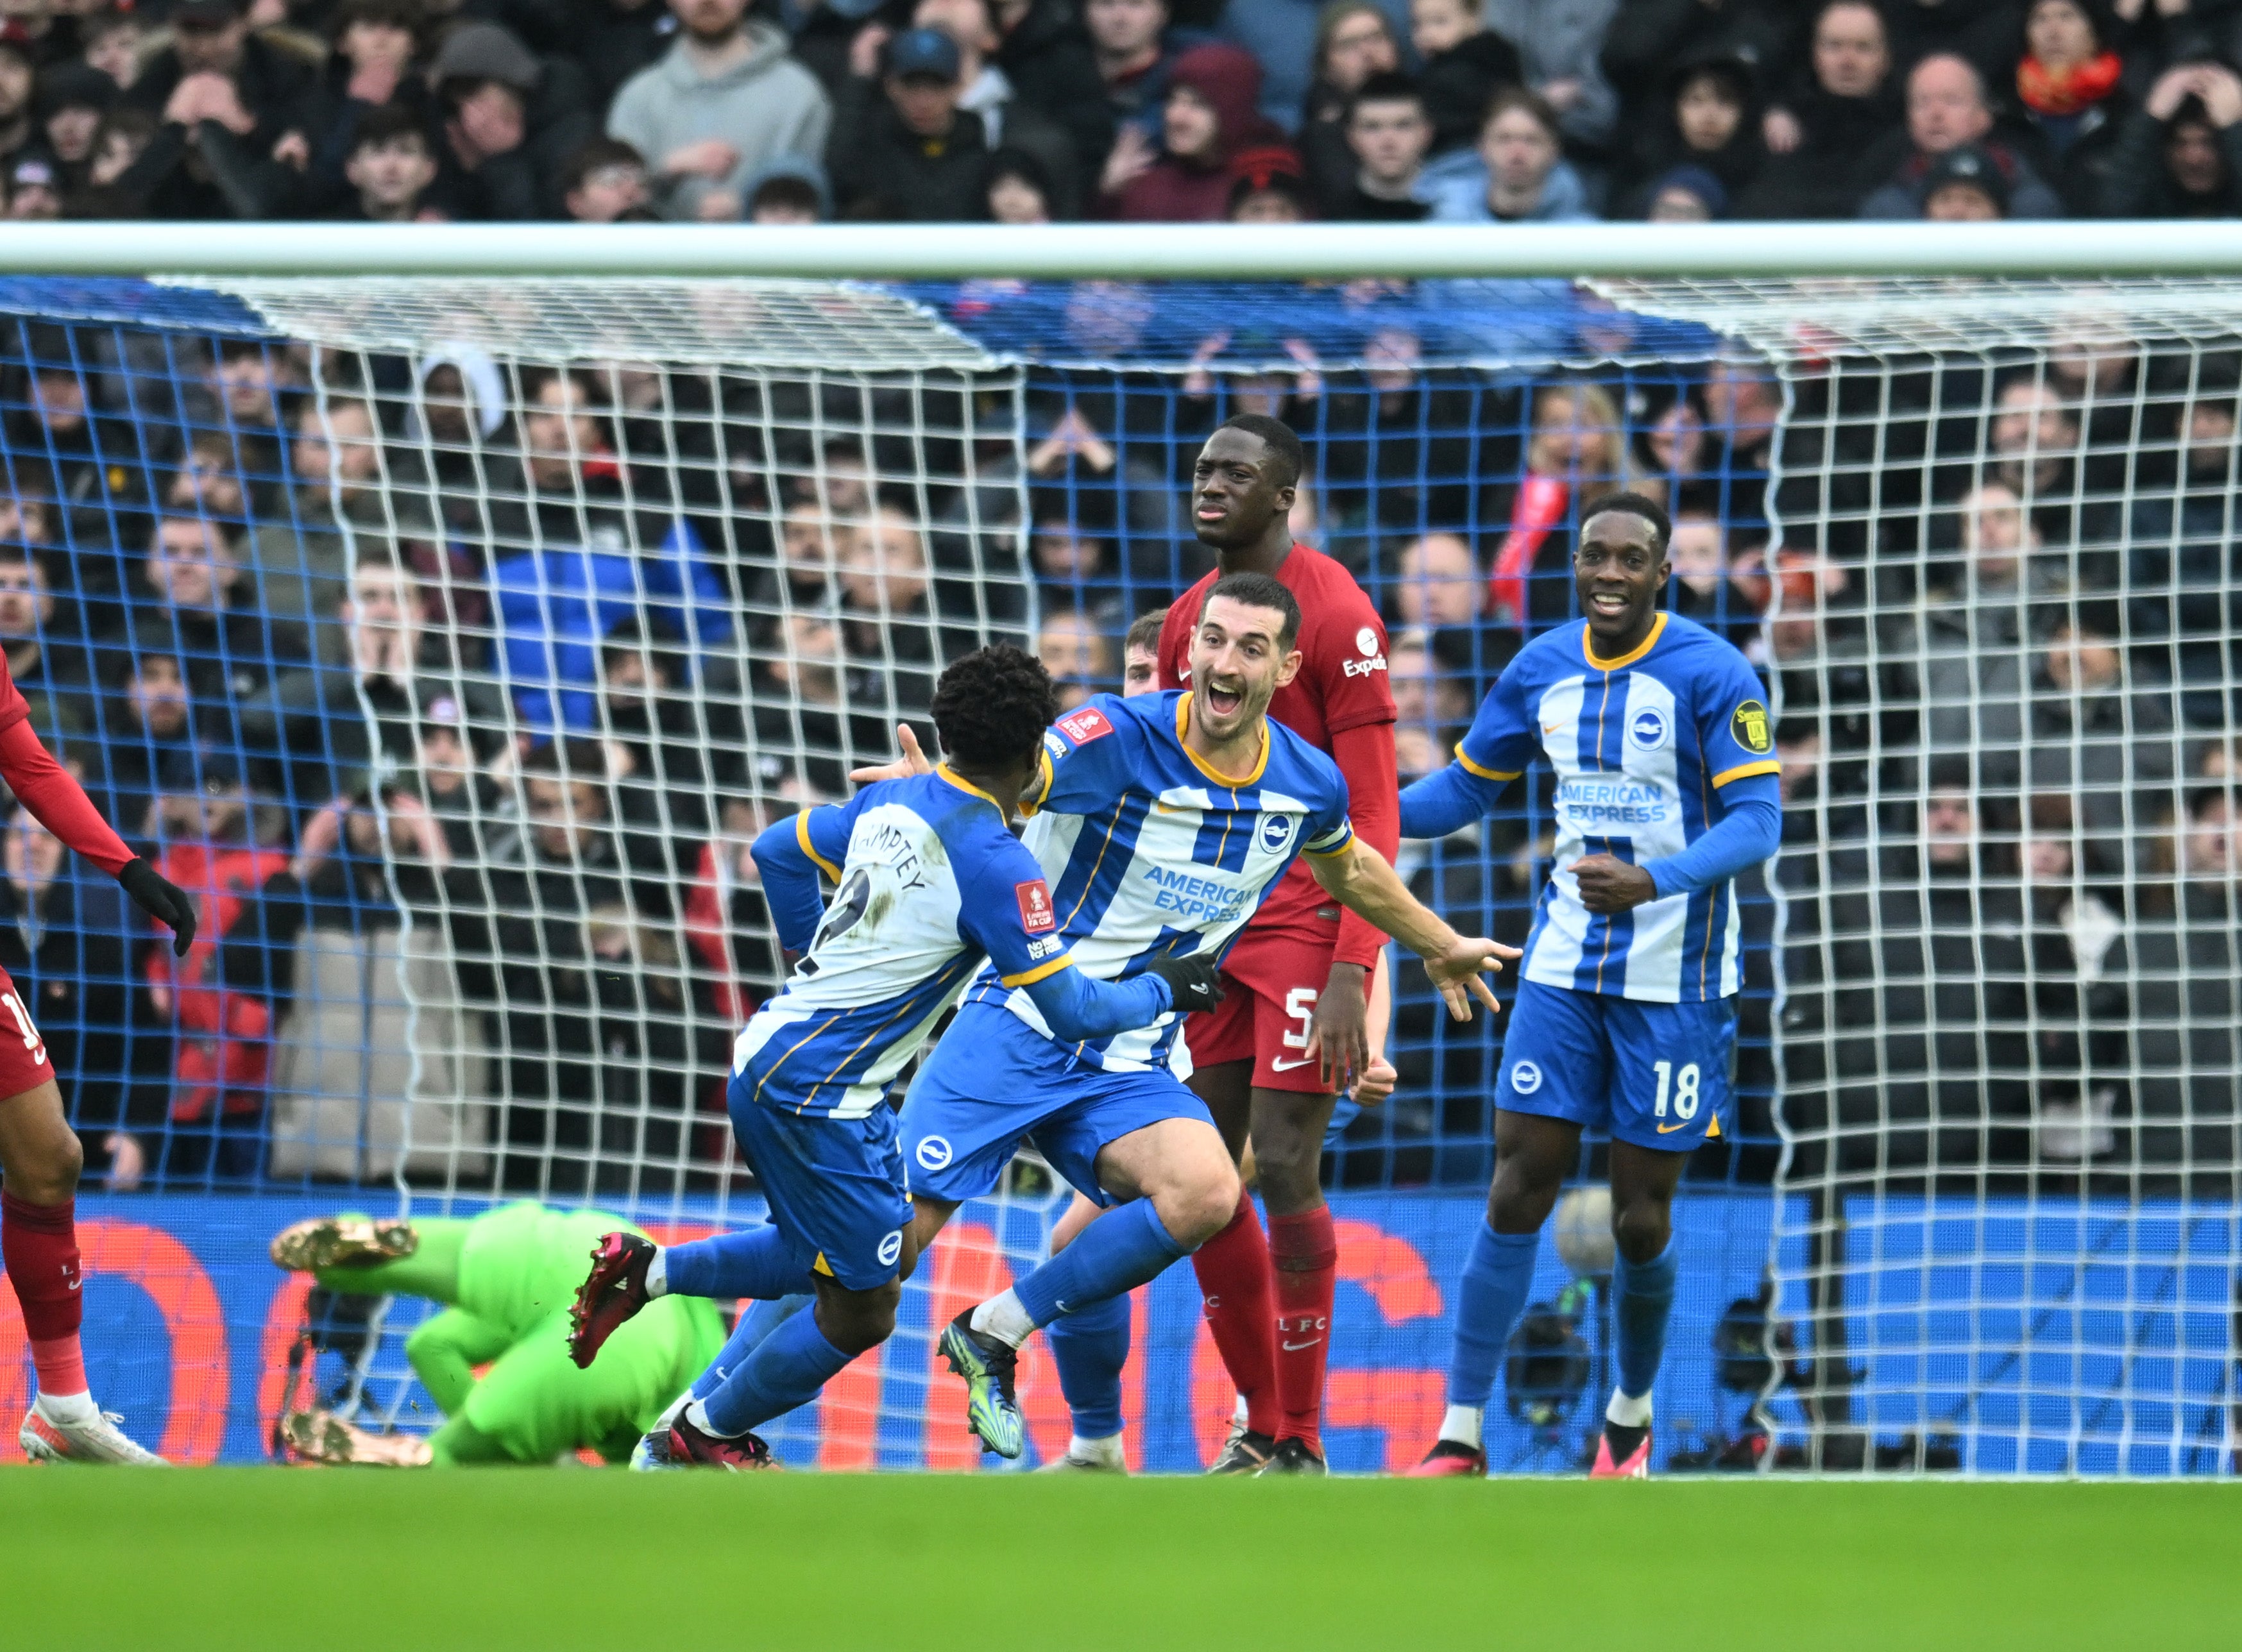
x,y
1111,1257
1091,1345
792,1364
1642,1295
758,1322
753,1262
1488,1302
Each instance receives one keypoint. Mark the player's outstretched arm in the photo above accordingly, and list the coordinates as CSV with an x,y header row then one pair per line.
x,y
59,803
1448,802
1361,879
1076,1007
789,860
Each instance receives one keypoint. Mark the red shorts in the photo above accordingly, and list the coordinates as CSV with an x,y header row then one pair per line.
x,y
24,1064
1271,983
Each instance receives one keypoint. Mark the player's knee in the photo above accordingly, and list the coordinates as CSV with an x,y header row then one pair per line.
x,y
48,1174
1288,1162
1642,1228
855,1321
1203,1208
1523,1195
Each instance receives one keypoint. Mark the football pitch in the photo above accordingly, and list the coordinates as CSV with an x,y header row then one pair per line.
x,y
250,1558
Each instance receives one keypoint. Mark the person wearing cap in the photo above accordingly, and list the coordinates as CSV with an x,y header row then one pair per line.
x,y
1964,185
1947,108
903,150
725,101
511,120
73,96
1007,120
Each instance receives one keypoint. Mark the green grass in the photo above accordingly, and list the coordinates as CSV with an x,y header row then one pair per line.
x,y
246,1558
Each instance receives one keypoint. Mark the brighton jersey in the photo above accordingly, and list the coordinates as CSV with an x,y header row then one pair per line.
x,y
1641,746
1147,850
929,885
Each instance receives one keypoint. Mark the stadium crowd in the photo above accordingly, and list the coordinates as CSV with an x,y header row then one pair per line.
x,y
789,111
486,674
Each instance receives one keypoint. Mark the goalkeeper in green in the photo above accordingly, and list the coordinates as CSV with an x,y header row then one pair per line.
x,y
506,1280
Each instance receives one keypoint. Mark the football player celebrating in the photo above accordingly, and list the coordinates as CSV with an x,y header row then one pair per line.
x,y
1292,1032
1625,1017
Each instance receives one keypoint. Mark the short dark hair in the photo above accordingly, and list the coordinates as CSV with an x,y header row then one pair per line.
x,y
1277,435
1636,504
1260,591
1509,97
1387,86
574,761
387,124
993,706
393,14
596,155
1144,631
787,190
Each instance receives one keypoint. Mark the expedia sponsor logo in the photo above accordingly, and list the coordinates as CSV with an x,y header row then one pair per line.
x,y
1363,667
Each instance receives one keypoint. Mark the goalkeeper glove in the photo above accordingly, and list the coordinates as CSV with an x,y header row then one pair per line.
x,y
1194,983
161,900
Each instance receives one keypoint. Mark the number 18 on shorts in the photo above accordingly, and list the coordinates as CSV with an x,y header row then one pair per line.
x,y
1653,1074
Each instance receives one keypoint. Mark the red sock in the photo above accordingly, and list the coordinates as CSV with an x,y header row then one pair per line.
x,y
1241,1311
39,1245
1305,1251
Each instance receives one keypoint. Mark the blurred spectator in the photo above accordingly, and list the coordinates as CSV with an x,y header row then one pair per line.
x,y
1355,43
724,102
17,71
1947,109
1074,562
2185,613
2070,87
1562,44
1436,582
1270,190
301,556
232,651
1207,123
1077,654
229,95
146,722
1007,120
62,926
2080,963
1982,33
1574,456
615,40
798,699
1698,551
1017,192
1140,654
789,191
902,149
1425,695
1520,177
889,624
2108,741
1129,44
372,67
1818,130
1286,38
115,43
1708,122
73,97
1647,39
604,182
122,138
1397,448
223,1053
1966,185
1043,51
2180,157
1466,63
391,169
1385,136
1686,195
511,122
47,666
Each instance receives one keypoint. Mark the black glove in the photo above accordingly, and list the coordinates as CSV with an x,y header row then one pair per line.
x,y
1194,983
161,900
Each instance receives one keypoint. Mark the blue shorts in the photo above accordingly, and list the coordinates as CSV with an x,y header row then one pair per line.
x,y
994,1079
1653,1074
837,1188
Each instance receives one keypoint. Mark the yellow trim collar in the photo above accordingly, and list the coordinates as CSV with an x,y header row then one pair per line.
x,y
1484,774
1232,782
1744,771
1049,777
1588,645
964,784
1065,961
802,836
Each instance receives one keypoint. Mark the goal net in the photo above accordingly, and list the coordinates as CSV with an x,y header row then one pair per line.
x,y
450,640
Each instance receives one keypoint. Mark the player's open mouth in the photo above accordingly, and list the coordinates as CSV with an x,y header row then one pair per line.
x,y
1608,602
1223,701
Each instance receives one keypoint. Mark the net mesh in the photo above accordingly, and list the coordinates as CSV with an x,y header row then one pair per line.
x,y
451,640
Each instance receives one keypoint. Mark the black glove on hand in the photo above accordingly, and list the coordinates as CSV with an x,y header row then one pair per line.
x,y
1193,983
161,900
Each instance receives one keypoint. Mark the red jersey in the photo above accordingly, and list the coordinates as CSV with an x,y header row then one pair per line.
x,y
1342,687
47,789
